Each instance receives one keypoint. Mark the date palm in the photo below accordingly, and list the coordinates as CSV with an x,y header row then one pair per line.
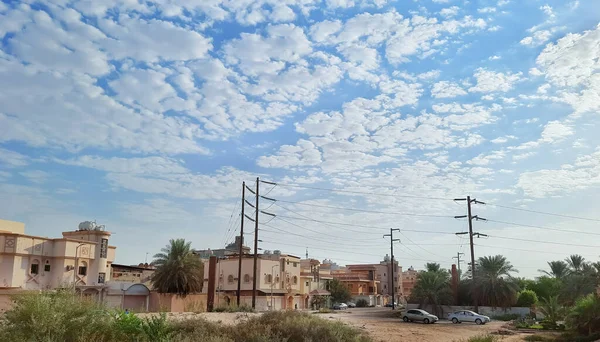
x,y
178,270
495,285
576,263
432,288
558,269
552,310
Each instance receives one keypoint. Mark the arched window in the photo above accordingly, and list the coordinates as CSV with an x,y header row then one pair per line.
x,y
246,278
82,271
230,279
295,280
35,267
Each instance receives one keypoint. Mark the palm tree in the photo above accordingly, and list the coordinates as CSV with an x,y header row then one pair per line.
x,y
178,270
558,269
433,267
585,315
432,288
494,283
576,262
552,310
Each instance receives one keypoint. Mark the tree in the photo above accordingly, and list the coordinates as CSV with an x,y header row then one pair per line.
x,y
339,291
546,287
558,269
585,315
527,299
576,263
432,288
552,310
178,270
433,267
318,302
494,283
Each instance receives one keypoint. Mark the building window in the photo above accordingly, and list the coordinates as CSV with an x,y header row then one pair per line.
x,y
103,248
295,280
82,270
295,264
230,279
269,279
371,289
35,267
101,277
246,278
307,284
47,266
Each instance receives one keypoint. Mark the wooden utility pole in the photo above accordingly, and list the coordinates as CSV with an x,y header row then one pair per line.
x,y
470,218
458,261
241,249
392,240
254,278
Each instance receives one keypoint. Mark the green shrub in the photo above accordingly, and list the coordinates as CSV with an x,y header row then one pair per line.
x,y
527,299
157,328
362,303
324,311
233,308
127,327
584,317
482,338
533,338
507,317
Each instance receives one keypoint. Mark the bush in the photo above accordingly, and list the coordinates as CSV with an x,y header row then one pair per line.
x,y
507,317
64,317
533,338
362,303
482,338
584,317
325,311
527,299
234,308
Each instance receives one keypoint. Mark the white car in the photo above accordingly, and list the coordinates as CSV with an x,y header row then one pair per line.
x,y
467,316
340,306
417,315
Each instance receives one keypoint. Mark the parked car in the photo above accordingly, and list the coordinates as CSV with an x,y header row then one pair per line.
x,y
467,316
340,306
351,305
389,305
417,315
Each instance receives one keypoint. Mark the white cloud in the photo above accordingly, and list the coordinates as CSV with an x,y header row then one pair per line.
x,y
502,140
490,81
445,89
441,1
486,10
145,165
12,158
547,9
584,173
35,176
556,131
538,38
503,2
450,11
304,153
494,58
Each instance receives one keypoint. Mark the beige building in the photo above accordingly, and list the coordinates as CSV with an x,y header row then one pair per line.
x,y
314,282
81,257
278,281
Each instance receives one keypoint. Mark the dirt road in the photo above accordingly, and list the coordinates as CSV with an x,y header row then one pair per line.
x,y
383,327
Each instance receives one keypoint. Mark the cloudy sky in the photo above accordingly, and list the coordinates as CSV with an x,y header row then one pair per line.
x,y
146,116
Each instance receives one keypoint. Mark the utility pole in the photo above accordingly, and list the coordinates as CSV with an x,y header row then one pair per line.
x,y
392,240
241,249
470,218
458,261
255,246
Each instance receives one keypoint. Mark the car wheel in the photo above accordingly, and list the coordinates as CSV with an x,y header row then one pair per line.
x,y
426,321
455,320
478,321
405,319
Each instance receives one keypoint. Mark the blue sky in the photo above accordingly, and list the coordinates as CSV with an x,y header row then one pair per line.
x,y
147,116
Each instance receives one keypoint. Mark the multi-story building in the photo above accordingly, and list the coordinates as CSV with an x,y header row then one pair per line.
x,y
409,279
361,281
314,282
230,249
81,258
384,275
277,283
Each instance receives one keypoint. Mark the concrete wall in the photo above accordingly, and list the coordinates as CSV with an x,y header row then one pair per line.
x,y
173,303
12,226
484,310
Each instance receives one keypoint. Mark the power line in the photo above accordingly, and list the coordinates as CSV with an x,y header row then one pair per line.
x,y
544,212
364,210
361,192
547,242
524,250
546,228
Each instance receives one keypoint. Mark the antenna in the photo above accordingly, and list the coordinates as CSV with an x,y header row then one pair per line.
x,y
306,252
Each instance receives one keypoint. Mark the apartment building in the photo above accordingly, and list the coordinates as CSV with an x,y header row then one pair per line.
x,y
314,282
277,284
409,279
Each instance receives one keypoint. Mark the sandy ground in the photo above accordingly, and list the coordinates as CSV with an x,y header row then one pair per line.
x,y
379,324
382,326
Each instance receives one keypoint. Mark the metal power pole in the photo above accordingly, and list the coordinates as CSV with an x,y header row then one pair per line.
x,y
241,249
255,246
458,261
392,240
470,218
